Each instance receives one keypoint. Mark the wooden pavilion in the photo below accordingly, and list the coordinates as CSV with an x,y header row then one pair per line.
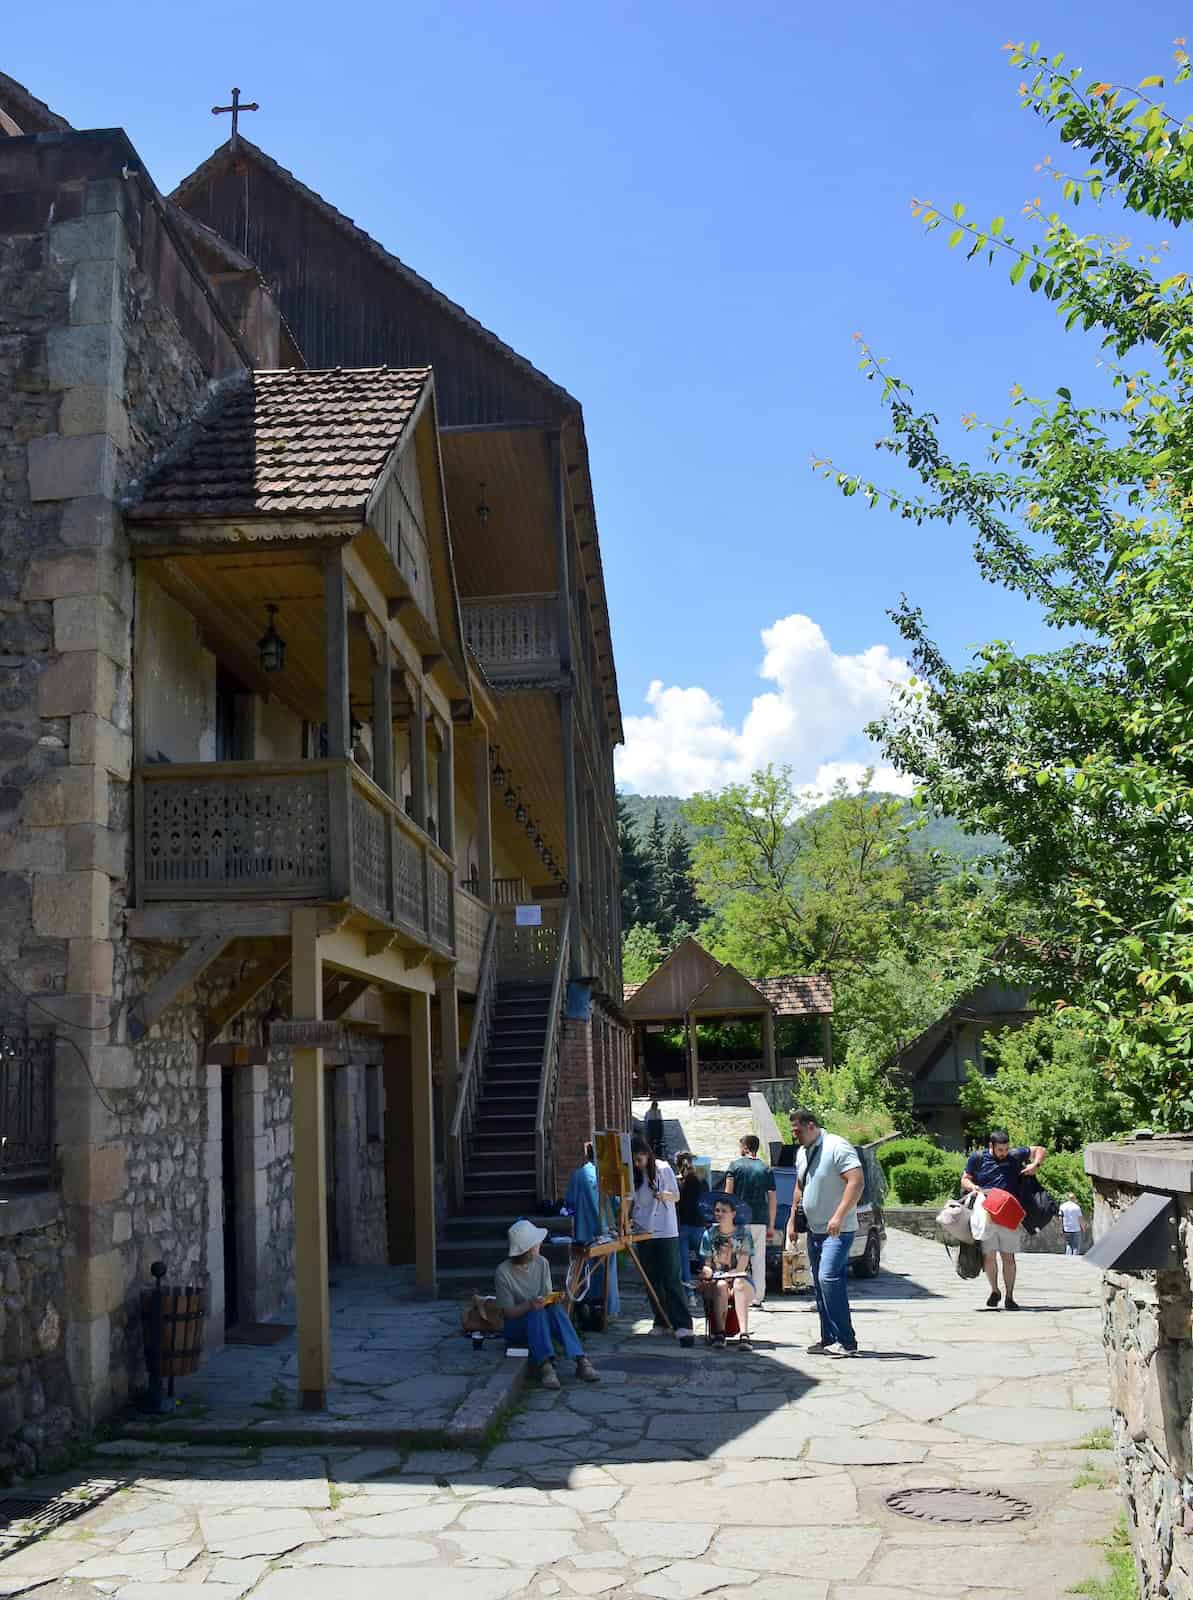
x,y
691,987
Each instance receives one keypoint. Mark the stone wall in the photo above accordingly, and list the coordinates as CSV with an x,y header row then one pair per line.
x,y
36,1417
1147,1331
921,1220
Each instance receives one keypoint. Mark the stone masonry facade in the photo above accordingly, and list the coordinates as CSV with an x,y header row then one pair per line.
x,y
1148,1333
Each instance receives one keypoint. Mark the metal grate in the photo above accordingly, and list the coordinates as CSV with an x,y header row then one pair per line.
x,y
27,1518
958,1505
26,1104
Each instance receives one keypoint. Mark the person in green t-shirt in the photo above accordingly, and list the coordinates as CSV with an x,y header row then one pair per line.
x,y
753,1183
725,1251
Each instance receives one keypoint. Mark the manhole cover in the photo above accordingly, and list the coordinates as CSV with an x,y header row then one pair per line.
x,y
649,1366
958,1505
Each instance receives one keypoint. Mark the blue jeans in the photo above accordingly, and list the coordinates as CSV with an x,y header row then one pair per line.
x,y
690,1235
829,1258
1072,1244
537,1329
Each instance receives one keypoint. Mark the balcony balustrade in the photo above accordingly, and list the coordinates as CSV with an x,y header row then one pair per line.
x,y
514,635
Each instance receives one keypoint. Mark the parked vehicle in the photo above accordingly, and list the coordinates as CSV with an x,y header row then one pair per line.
x,y
865,1254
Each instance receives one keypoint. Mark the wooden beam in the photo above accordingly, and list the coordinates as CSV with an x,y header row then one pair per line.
x,y
430,662
236,1055
383,718
399,604
376,944
246,992
310,1174
346,996
422,1117
189,967
335,615
415,956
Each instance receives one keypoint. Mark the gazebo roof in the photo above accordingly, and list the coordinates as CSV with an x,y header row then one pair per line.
x,y
691,978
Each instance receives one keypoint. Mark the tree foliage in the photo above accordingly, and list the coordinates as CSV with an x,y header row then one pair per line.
x,y
1049,1087
1079,758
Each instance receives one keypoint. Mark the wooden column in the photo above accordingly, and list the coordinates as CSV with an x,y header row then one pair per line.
x,y
335,617
418,755
572,831
422,1118
693,1059
769,1061
310,1173
383,718
449,1039
482,799
447,793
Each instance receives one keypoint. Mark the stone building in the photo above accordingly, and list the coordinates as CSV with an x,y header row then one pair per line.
x,y
307,863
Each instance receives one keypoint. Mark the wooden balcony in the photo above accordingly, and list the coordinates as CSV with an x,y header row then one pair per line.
x,y
514,635
315,831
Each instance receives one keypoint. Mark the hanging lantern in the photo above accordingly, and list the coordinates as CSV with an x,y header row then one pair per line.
x,y
520,813
510,797
482,510
271,647
498,769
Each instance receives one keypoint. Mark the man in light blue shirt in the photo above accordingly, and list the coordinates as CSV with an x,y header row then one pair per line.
x,y
828,1185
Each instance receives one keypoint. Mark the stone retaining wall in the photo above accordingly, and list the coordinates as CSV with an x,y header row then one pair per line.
x,y
1147,1331
921,1220
36,1418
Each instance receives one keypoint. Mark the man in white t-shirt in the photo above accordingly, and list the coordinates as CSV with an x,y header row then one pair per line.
x,y
1072,1222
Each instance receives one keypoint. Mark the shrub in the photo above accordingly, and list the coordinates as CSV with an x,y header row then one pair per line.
x,y
916,1183
921,1183
1064,1173
899,1151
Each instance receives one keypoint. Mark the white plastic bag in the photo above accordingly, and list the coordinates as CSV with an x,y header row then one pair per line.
x,y
956,1219
978,1219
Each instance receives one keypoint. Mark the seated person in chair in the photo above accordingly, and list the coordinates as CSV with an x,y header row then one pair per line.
x,y
725,1250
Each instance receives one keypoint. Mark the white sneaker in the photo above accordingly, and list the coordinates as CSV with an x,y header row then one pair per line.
x,y
838,1351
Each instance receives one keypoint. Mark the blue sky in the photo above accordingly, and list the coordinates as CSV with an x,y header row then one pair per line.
x,y
681,212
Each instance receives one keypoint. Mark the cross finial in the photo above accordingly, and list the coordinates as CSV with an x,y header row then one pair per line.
x,y
235,108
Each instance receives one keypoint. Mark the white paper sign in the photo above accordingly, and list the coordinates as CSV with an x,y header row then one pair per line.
x,y
528,916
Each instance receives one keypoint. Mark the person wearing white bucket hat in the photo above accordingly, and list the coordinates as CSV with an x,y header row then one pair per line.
x,y
534,1315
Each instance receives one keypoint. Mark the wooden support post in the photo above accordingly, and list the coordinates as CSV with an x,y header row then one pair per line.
x,y
770,1064
186,971
482,799
572,833
258,978
310,1174
383,718
826,1040
335,619
447,792
422,1118
693,1058
449,1040
418,756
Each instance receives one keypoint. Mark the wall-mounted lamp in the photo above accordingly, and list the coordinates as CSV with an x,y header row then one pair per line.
x,y
482,509
271,647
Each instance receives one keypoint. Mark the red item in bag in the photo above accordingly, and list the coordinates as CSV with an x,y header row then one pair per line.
x,y
1002,1207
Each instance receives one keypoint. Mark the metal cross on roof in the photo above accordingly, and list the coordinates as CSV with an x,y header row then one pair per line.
x,y
235,108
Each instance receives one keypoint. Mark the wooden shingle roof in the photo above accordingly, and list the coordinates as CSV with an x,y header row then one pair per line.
x,y
274,444
797,997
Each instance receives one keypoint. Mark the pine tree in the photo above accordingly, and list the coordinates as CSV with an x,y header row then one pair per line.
x,y
638,903
682,905
660,877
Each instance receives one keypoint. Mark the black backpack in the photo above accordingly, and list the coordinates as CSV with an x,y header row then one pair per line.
x,y
1039,1206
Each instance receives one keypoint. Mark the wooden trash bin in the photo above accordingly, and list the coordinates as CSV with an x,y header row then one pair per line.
x,y
173,1319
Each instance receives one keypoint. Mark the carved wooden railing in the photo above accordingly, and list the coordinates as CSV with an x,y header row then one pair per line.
x,y
549,1074
529,954
305,830
510,892
513,632
472,926
463,1123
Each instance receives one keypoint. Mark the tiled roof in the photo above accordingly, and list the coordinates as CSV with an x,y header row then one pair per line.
x,y
790,997
274,444
797,997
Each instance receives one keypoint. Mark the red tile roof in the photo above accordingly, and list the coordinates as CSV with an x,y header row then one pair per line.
x,y
270,444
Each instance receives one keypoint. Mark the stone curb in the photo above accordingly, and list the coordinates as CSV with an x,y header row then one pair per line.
x,y
471,1422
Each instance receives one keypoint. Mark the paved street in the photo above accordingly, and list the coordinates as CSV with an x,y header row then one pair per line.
x,y
709,1130
759,1475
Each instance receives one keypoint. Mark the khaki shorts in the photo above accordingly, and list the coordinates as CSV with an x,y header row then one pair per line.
x,y
1005,1240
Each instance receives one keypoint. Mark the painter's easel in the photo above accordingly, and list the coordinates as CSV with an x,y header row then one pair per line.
x,y
616,1202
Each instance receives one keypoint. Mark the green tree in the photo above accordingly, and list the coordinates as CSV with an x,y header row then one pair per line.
x,y
679,894
1080,758
655,854
641,952
1049,1086
637,888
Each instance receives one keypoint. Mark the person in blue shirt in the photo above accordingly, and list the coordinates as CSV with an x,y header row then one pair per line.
x,y
1000,1167
583,1200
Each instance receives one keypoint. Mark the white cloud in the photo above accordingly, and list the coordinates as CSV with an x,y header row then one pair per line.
x,y
813,718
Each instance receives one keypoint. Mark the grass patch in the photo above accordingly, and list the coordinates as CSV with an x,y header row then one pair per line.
x,y
1090,1478
1120,1582
279,1399
1099,1439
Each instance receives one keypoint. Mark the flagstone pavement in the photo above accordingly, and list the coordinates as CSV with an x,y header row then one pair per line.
x,y
755,1475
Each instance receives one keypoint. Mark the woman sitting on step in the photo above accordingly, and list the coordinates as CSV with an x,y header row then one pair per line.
x,y
534,1313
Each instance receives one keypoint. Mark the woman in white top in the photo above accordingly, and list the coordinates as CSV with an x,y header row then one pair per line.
x,y
656,1195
